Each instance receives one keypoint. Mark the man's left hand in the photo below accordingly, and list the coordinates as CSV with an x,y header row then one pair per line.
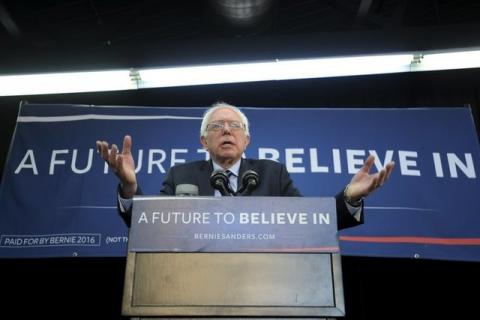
x,y
363,183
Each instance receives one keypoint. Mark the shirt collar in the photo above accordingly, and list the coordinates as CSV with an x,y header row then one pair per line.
x,y
233,169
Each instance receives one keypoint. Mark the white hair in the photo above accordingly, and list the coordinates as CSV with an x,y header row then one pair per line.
x,y
222,105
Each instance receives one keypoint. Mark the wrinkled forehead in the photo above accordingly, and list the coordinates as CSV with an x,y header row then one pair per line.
x,y
224,114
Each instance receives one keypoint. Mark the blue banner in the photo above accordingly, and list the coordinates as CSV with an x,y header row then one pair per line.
x,y
58,197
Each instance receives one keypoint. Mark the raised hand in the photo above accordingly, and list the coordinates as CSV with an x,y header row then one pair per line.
x,y
363,183
122,164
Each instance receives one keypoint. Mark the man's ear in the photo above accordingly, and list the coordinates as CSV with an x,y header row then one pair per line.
x,y
204,143
247,141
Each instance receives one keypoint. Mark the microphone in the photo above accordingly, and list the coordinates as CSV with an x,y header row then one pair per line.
x,y
250,180
185,190
219,181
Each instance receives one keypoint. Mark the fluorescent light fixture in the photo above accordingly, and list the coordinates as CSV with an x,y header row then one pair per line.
x,y
18,85
274,70
447,60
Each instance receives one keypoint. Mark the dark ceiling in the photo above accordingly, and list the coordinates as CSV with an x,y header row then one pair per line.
x,y
57,35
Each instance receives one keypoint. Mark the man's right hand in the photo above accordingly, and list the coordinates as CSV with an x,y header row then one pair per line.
x,y
122,164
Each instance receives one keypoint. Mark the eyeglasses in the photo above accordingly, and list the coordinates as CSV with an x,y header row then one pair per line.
x,y
220,125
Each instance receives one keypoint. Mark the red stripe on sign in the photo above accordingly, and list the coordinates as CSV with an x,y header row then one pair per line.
x,y
318,249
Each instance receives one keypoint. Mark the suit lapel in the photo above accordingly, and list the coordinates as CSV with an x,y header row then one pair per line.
x,y
203,181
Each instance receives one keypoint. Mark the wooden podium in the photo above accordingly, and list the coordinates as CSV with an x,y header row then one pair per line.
x,y
233,257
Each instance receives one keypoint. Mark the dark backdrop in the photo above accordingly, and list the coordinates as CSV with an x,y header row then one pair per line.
x,y
374,287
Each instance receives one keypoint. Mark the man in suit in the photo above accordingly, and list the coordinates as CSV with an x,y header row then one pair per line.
x,y
225,135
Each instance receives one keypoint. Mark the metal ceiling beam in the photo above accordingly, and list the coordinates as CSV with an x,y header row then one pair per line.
x,y
363,9
7,21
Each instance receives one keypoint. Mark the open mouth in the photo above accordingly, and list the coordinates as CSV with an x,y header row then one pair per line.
x,y
227,143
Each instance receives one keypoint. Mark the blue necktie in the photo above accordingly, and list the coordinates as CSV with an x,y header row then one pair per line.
x,y
232,180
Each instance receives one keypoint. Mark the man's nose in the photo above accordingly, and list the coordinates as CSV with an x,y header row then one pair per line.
x,y
226,128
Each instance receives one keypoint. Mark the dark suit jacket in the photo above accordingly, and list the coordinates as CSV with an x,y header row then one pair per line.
x,y
274,181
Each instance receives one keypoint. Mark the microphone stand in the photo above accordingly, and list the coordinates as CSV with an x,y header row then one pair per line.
x,y
219,181
250,181
224,190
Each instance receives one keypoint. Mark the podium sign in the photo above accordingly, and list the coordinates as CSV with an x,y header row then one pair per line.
x,y
233,224
233,257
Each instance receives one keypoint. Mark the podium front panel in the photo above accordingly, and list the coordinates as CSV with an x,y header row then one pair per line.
x,y
233,280
233,284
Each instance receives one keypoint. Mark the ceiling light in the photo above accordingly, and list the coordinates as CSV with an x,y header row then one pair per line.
x,y
274,70
17,85
447,60
35,84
